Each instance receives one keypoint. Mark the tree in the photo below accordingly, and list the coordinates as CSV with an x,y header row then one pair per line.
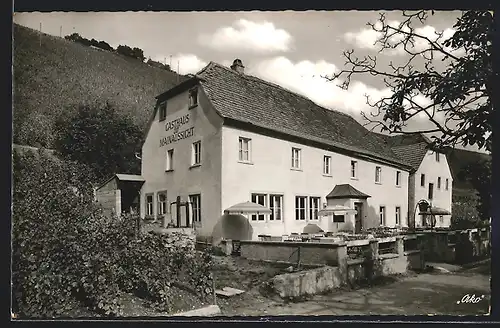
x,y
479,175
465,214
102,138
455,99
129,52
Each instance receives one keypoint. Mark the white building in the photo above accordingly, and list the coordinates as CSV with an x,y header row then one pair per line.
x,y
224,137
430,177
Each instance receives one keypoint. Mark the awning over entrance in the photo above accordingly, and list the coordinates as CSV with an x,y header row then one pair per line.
x,y
336,210
247,208
346,191
435,211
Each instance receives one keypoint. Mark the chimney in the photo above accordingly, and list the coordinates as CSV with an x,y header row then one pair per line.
x,y
238,66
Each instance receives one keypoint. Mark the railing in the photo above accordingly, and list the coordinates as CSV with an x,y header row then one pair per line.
x,y
411,243
358,249
387,247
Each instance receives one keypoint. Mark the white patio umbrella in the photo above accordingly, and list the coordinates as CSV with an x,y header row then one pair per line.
x,y
247,208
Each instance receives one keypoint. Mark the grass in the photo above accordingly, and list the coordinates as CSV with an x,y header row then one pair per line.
x,y
53,75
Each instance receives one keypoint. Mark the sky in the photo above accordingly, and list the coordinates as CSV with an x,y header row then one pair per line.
x,y
293,49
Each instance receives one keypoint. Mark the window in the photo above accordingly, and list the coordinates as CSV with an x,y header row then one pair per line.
x,y
314,207
300,208
196,153
398,178
437,157
193,97
446,186
441,219
149,205
195,201
422,180
296,158
327,160
378,173
259,199
162,203
398,215
354,169
382,215
431,191
163,111
276,207
244,149
338,218
439,183
170,160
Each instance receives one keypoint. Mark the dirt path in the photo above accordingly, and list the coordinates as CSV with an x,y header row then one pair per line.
x,y
423,294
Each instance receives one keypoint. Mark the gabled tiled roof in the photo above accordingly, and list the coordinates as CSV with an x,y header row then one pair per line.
x,y
346,191
247,99
122,177
410,148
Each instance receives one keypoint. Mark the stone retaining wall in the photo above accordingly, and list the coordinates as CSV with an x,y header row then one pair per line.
x,y
338,268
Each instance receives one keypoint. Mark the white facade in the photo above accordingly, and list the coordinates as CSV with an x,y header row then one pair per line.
x,y
269,172
222,180
433,172
191,152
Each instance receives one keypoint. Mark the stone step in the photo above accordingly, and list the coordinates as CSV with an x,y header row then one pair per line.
x,y
228,291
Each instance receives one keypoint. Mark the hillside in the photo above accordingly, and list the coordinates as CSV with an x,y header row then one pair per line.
x,y
56,75
458,160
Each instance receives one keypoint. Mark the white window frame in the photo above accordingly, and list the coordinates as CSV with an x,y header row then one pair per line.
x,y
162,205
447,184
196,153
299,209
169,165
438,183
398,178
314,208
438,158
258,197
162,109
149,210
327,165
382,215
378,174
296,158
193,97
195,200
354,169
398,215
241,151
276,207
422,183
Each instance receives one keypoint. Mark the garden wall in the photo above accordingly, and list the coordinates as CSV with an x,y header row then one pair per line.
x,y
343,263
459,247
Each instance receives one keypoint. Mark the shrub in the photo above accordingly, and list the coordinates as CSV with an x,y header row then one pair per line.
x,y
65,250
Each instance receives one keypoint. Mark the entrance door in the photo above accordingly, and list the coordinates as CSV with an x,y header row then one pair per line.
x,y
358,217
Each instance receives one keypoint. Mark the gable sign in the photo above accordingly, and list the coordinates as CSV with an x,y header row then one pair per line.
x,y
177,129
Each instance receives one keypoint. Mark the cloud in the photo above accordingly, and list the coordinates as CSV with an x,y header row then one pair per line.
x,y
186,63
366,39
259,37
306,78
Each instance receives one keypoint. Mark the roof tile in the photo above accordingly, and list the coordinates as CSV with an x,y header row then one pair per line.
x,y
246,98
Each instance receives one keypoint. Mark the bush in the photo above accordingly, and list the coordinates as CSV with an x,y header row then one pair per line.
x,y
67,254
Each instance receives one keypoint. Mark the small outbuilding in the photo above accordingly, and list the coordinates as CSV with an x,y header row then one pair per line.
x,y
120,194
